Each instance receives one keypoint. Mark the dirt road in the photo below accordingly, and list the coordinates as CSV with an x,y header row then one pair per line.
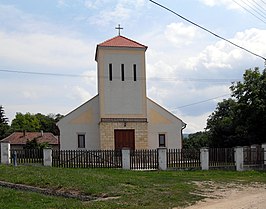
x,y
232,197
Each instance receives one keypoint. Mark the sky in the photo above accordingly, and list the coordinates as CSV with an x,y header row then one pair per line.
x,y
188,70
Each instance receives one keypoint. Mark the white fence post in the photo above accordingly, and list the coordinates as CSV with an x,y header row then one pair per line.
x,y
5,153
47,157
264,149
162,158
239,158
126,158
204,158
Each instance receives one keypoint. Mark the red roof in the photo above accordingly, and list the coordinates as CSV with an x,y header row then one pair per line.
x,y
20,138
121,41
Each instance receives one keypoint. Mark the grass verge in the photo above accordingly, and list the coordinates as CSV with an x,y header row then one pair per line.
x,y
135,189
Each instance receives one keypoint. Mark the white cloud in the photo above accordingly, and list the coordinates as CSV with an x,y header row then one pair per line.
x,y
62,3
81,93
229,4
118,14
195,123
223,55
44,50
91,4
181,34
117,11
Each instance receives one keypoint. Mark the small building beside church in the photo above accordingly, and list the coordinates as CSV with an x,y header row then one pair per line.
x,y
120,115
18,140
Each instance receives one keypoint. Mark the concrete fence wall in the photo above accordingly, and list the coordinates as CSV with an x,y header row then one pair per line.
x,y
162,157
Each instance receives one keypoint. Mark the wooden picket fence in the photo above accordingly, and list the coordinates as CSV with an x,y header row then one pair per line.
x,y
27,156
183,158
87,158
144,159
253,156
222,157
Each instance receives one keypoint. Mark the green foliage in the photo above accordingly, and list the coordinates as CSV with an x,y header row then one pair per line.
x,y
48,122
4,127
33,144
241,120
36,122
3,118
28,122
196,141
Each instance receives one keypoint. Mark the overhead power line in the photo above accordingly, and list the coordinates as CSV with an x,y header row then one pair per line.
x,y
207,30
253,9
258,7
263,2
199,102
206,80
249,12
42,73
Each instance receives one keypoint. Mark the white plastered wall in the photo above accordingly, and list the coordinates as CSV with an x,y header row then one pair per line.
x,y
122,99
160,121
83,120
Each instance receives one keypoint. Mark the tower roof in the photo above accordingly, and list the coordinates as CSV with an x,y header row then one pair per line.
x,y
120,41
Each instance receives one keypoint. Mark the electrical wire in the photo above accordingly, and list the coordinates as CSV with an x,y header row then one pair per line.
x,y
199,102
263,1
249,11
207,30
208,80
259,7
42,73
252,7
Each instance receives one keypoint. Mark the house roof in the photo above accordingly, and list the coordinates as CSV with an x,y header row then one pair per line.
x,y
120,41
21,138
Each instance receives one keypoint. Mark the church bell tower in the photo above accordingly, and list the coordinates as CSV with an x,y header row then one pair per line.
x,y
122,93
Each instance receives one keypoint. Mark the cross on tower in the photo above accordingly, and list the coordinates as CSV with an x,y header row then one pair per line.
x,y
119,28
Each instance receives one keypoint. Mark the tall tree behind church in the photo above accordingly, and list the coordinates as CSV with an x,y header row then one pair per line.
x,y
4,127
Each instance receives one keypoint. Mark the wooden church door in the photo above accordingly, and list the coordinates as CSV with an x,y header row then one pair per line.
x,y
124,138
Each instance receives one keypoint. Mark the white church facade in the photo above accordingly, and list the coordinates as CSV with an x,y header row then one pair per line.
x,y
120,115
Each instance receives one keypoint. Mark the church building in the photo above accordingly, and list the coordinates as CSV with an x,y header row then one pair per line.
x,y
120,115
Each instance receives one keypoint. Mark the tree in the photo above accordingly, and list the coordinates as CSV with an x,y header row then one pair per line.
x,y
48,122
221,124
27,122
251,99
196,141
36,122
33,144
4,127
241,120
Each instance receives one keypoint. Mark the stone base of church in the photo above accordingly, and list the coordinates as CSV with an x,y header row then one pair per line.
x,y
107,140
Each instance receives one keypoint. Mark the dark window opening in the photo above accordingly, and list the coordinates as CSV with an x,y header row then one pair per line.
x,y
122,72
110,72
135,72
161,140
81,140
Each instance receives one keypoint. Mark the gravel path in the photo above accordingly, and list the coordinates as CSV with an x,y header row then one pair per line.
x,y
233,197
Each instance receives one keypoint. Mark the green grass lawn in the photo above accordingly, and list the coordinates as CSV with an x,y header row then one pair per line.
x,y
135,189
